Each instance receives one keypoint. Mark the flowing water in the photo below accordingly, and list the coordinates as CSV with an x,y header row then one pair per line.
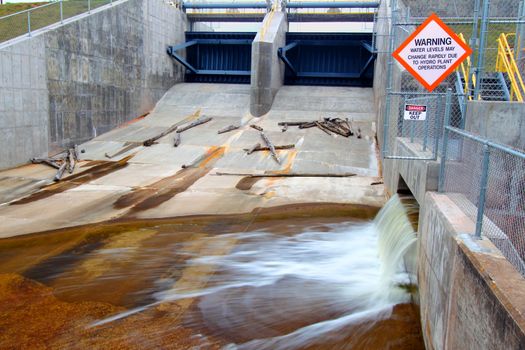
x,y
326,283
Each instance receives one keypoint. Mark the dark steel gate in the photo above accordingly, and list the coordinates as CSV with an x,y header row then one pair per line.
x,y
215,57
328,59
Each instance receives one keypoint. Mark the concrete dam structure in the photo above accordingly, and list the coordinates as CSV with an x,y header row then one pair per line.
x,y
169,183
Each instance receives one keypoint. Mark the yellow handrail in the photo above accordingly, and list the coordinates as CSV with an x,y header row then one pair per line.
x,y
464,67
506,63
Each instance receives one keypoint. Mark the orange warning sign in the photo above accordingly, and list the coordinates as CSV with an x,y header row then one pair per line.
x,y
432,52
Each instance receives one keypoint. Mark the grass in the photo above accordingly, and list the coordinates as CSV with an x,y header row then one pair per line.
x,y
17,25
8,9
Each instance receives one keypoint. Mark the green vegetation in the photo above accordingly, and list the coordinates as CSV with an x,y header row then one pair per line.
x,y
17,25
8,9
493,33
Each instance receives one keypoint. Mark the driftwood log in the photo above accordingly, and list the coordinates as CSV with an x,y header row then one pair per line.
x,y
47,161
228,129
285,175
61,171
271,147
176,141
251,150
198,122
258,148
257,127
154,139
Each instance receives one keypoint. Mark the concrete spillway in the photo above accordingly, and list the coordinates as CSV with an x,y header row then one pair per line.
x,y
149,182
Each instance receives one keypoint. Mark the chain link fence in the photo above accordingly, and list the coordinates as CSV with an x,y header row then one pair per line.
x,y
494,29
26,22
487,180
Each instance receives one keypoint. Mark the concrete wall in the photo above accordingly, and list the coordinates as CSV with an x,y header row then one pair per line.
x,y
267,69
501,122
70,82
470,296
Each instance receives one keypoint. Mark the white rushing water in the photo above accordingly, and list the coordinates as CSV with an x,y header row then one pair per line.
x,y
322,279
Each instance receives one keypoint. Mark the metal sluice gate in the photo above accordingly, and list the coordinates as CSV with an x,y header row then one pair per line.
x,y
336,59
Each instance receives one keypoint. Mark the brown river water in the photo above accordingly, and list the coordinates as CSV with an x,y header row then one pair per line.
x,y
298,277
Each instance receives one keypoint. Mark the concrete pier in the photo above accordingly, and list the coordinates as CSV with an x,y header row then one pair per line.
x,y
267,69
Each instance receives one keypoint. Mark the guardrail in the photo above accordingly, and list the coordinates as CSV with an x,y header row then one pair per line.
x,y
465,68
27,21
506,63
487,180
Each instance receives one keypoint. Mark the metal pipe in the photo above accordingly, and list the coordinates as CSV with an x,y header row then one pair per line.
x,y
497,146
324,5
29,10
224,5
389,80
89,6
446,119
482,189
29,23
481,47
61,13
444,148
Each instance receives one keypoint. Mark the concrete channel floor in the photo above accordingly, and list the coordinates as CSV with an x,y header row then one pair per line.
x,y
149,182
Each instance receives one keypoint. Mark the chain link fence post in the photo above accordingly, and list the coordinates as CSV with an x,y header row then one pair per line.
x,y
61,12
482,190
29,23
390,64
481,49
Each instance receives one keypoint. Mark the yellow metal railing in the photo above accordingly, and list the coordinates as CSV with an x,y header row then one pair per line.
x,y
506,63
464,68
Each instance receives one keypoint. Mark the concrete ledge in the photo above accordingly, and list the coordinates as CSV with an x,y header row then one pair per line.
x,y
418,176
267,69
471,297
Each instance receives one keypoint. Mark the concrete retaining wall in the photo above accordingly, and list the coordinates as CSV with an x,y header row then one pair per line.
x,y
501,122
470,296
267,69
71,82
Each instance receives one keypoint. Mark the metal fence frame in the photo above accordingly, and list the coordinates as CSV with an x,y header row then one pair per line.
x,y
54,3
478,204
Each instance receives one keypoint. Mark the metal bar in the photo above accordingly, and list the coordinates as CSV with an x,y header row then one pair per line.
x,y
389,80
367,46
415,93
409,158
425,135
328,75
282,55
482,190
367,64
61,12
29,23
223,72
224,5
338,4
495,145
89,6
481,48
29,10
444,148
446,120
223,41
171,51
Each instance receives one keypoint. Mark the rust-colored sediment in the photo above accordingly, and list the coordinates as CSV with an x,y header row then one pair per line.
x,y
247,182
152,196
75,180
31,317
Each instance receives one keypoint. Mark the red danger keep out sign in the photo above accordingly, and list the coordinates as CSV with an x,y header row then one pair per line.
x,y
432,52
